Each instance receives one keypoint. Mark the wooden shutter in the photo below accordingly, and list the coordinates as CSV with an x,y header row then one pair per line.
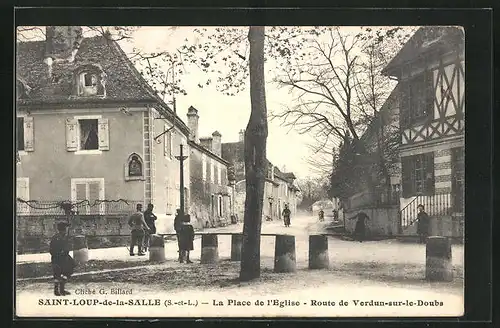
x,y
429,174
407,168
165,141
71,134
103,133
29,140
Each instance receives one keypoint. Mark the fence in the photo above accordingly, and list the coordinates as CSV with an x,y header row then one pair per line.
x,y
65,207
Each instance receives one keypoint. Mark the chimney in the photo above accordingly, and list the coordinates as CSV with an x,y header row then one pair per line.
x,y
193,118
62,42
242,136
216,143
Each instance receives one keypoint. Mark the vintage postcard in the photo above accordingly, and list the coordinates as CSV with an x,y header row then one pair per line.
x,y
277,171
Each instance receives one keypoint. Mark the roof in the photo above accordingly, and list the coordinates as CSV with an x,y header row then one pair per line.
x,y
208,152
425,40
123,82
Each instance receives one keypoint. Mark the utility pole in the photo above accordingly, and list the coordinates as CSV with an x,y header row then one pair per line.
x,y
181,158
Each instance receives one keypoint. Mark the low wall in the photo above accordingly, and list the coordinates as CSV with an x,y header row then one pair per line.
x,y
383,221
447,226
33,233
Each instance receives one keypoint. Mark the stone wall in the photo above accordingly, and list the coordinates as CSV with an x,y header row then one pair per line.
x,y
383,221
33,233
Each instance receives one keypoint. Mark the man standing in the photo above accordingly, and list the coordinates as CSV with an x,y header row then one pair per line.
x,y
422,224
138,227
177,228
150,219
62,263
286,215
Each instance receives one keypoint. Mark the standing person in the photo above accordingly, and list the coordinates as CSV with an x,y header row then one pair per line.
x,y
423,221
335,215
62,263
321,215
177,228
186,234
139,227
150,219
286,215
360,228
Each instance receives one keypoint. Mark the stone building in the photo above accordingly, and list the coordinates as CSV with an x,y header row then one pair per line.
x,y
279,188
91,130
430,69
211,190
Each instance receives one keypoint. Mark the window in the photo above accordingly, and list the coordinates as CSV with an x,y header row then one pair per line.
x,y
22,192
204,167
87,134
20,133
219,174
212,171
87,192
168,142
88,84
418,175
417,99
221,212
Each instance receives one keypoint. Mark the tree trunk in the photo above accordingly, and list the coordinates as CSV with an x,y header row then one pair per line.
x,y
255,158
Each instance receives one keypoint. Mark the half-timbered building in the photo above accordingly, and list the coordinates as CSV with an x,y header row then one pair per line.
x,y
431,76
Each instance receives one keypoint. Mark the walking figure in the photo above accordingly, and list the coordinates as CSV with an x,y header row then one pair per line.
x,y
139,227
360,228
150,219
423,221
286,215
186,238
177,228
62,263
321,215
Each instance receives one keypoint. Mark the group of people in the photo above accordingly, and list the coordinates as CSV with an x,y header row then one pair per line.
x,y
142,226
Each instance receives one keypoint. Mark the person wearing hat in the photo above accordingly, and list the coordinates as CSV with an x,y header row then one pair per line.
x,y
62,263
423,222
138,226
186,238
286,215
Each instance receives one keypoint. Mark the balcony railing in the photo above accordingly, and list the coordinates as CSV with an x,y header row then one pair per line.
x,y
64,207
434,205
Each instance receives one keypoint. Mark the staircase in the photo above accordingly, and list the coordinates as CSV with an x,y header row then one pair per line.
x,y
436,206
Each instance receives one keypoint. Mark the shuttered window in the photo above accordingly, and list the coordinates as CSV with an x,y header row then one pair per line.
x,y
204,167
87,134
417,98
87,191
22,192
20,133
418,175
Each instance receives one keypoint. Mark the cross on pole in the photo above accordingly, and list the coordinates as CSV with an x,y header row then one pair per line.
x,y
181,158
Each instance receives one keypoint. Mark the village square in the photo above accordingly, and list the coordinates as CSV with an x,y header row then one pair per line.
x,y
160,196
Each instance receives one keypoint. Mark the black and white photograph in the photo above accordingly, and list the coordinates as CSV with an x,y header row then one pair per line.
x,y
239,171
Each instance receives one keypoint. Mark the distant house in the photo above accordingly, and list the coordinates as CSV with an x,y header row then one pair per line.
x,y
211,190
279,188
90,130
430,69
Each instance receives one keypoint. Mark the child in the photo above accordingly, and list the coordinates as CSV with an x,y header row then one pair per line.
x,y
186,237
62,263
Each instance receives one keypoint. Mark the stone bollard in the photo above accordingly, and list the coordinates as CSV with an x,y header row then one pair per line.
x,y
318,252
236,243
438,265
80,249
209,249
156,248
284,254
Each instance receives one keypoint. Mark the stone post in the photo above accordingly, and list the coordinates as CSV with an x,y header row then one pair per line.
x,y
284,254
156,248
318,252
438,265
209,249
236,243
80,249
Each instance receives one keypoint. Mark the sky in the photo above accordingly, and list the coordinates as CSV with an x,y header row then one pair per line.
x,y
228,114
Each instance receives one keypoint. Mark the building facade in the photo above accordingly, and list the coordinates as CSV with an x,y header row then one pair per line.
x,y
279,187
431,76
90,130
210,203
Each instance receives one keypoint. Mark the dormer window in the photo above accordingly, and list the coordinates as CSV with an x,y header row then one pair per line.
x,y
90,81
